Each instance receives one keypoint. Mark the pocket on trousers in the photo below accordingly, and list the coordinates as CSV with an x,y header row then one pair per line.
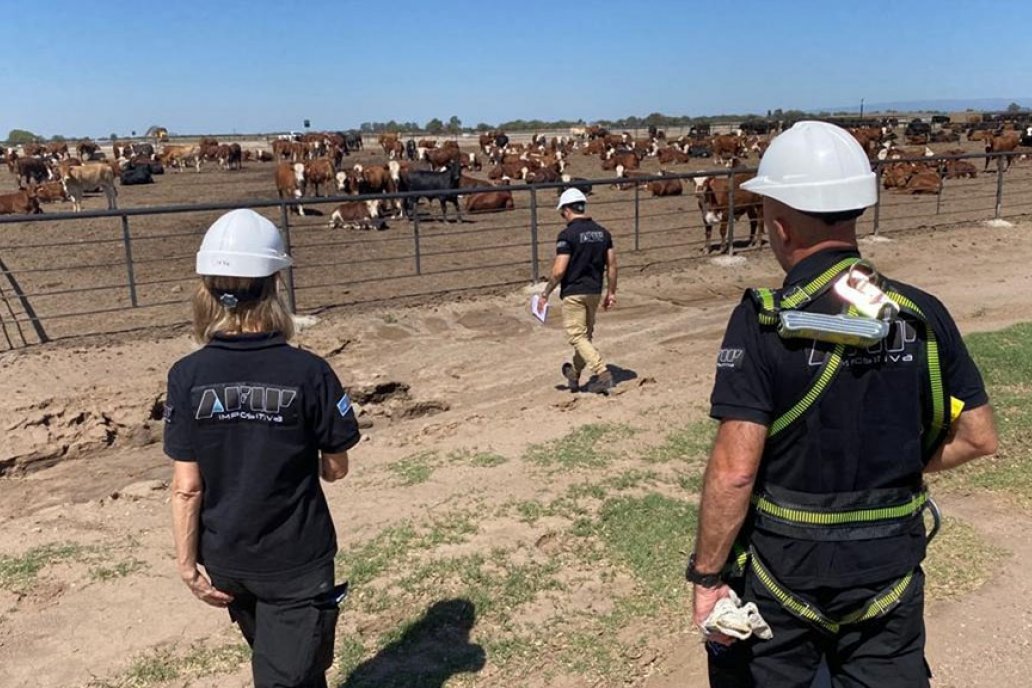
x,y
326,633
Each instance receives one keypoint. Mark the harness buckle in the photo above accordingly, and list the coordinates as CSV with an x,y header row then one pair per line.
x,y
861,288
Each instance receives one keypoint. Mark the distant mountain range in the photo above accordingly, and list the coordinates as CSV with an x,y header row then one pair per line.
x,y
945,105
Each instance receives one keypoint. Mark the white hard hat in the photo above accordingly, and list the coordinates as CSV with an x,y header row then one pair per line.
x,y
571,196
816,167
242,243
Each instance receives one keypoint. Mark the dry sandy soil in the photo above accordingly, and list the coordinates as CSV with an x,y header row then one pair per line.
x,y
481,375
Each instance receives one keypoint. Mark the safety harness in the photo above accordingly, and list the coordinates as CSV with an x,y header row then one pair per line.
x,y
864,515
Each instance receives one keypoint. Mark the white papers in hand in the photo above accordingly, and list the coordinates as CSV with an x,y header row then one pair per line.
x,y
539,314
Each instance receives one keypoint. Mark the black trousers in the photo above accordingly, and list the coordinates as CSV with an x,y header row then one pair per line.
x,y
289,623
887,652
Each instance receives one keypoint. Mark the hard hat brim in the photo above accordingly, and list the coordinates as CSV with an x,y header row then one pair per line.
x,y
834,196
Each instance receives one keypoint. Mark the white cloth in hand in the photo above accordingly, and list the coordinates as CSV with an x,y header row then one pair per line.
x,y
736,620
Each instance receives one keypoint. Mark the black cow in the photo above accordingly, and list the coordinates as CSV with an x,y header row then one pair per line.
x,y
700,150
31,170
138,149
579,183
1026,137
235,159
420,180
410,150
135,174
353,142
501,141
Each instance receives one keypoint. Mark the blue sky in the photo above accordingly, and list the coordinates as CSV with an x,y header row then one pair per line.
x,y
259,65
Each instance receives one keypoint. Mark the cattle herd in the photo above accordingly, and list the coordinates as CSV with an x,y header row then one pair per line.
x,y
315,165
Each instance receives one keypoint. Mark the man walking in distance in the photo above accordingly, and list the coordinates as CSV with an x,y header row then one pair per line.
x,y
583,254
827,439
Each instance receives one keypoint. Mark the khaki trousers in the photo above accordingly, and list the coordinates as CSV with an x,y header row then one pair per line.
x,y
579,321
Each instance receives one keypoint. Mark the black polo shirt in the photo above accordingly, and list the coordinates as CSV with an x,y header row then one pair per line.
x,y
586,242
255,413
864,432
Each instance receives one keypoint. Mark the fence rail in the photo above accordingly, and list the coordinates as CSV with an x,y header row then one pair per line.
x,y
132,268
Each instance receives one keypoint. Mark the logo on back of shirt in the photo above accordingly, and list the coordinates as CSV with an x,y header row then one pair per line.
x,y
592,236
240,401
893,350
730,358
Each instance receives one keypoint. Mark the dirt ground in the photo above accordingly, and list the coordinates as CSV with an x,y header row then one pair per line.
x,y
76,277
81,447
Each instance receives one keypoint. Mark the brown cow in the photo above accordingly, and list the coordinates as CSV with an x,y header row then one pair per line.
x,y
728,146
617,160
90,177
958,169
444,156
1005,142
666,187
58,149
49,192
290,182
19,203
489,202
86,149
924,181
714,202
318,171
669,156
178,157
359,215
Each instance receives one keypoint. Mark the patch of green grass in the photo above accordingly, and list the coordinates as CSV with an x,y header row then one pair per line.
x,y
691,482
414,469
691,442
165,664
1005,359
120,569
647,535
585,447
473,457
530,510
959,561
17,573
631,479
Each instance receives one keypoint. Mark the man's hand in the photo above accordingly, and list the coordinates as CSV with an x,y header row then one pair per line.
x,y
609,301
203,590
703,602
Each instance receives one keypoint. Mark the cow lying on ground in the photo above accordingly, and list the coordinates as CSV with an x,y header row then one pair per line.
x,y
958,169
489,202
358,215
49,192
431,182
19,203
90,177
666,187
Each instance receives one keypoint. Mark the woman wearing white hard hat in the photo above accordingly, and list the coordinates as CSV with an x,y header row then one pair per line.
x,y
251,424
830,414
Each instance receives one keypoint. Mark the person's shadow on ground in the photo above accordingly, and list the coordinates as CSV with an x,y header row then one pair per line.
x,y
431,651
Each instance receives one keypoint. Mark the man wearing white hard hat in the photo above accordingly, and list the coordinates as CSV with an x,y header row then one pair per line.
x,y
251,424
835,393
584,257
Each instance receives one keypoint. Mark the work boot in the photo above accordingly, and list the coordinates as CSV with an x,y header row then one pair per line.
x,y
572,377
601,384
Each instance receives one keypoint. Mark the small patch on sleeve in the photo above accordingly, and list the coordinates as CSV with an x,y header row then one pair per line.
x,y
730,358
344,405
167,415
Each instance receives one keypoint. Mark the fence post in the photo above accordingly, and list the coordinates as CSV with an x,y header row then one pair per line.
x,y
534,273
127,241
637,213
999,186
731,213
415,234
877,196
285,219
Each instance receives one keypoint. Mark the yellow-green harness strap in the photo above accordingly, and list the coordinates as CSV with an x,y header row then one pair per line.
x,y
940,421
806,517
877,606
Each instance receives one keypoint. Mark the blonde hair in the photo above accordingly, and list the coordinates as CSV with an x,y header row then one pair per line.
x,y
266,313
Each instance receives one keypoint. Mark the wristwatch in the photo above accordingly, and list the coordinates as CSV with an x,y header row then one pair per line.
x,y
706,580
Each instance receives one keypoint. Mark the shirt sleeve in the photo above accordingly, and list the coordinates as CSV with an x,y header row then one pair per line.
x,y
334,421
563,247
743,389
178,435
963,379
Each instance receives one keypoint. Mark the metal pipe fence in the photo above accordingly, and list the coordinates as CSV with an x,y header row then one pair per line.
x,y
137,273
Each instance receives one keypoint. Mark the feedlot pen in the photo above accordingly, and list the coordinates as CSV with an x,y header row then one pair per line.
x,y
90,275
